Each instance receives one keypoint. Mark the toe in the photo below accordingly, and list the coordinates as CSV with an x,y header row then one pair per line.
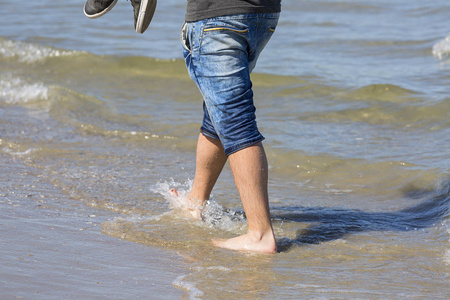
x,y
174,192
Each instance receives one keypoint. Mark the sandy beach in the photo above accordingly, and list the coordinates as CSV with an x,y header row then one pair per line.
x,y
47,253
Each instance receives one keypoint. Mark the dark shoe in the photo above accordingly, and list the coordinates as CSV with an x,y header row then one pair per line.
x,y
143,13
97,8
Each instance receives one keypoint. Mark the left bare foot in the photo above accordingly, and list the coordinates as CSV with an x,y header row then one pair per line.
x,y
186,203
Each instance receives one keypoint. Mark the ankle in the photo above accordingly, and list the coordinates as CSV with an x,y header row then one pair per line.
x,y
195,200
261,235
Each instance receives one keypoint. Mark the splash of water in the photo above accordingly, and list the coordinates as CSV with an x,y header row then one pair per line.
x,y
15,90
213,214
442,48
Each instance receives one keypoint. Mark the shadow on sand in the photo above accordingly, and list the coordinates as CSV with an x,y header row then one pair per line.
x,y
334,223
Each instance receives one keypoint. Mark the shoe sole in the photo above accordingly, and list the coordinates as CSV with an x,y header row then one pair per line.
x,y
100,13
146,11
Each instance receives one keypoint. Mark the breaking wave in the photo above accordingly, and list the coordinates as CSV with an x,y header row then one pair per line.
x,y
442,48
14,90
30,53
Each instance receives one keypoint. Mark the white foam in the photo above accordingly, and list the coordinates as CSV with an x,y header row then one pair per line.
x,y
15,90
189,287
213,268
164,188
136,219
213,214
442,48
216,216
30,53
19,153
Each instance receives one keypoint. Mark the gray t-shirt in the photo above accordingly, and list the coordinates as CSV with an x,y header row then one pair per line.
x,y
205,9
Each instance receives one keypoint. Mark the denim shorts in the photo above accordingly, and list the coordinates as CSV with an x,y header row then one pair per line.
x,y
220,54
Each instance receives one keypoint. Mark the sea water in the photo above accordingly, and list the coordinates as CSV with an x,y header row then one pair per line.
x,y
98,122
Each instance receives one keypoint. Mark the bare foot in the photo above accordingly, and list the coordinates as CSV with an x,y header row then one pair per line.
x,y
250,243
186,203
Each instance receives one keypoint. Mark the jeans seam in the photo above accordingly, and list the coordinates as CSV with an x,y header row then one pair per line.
x,y
226,28
242,145
209,133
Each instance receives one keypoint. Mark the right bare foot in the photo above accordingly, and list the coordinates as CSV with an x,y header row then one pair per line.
x,y
249,242
192,207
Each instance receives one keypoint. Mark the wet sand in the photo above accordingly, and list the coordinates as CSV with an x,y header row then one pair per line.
x,y
50,249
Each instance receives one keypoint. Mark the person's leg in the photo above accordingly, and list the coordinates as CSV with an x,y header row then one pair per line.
x,y
224,81
210,159
250,172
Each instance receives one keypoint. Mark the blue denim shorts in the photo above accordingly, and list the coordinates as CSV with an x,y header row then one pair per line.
x,y
220,54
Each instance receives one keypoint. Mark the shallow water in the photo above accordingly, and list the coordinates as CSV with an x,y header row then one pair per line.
x,y
98,122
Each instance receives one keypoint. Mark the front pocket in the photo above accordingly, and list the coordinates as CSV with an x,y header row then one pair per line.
x,y
226,28
226,25
184,38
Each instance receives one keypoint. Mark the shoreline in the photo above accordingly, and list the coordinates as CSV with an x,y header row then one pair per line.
x,y
59,252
